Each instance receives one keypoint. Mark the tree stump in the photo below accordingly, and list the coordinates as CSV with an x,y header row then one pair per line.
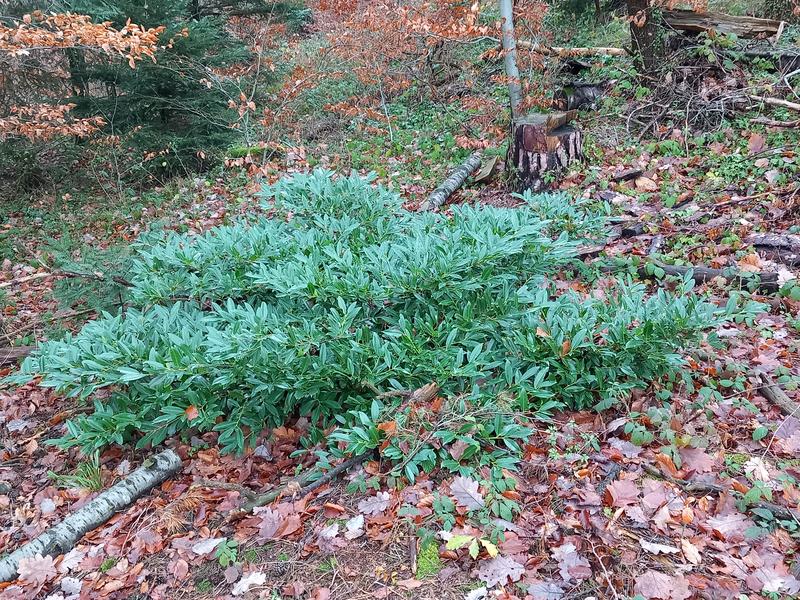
x,y
542,145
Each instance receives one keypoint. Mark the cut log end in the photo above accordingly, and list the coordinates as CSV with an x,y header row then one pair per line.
x,y
542,147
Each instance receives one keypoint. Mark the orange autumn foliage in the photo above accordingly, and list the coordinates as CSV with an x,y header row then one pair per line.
x,y
45,37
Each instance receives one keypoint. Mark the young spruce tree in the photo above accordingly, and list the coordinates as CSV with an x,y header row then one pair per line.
x,y
175,108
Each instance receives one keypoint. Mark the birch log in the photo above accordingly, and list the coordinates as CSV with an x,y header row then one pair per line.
x,y
510,56
60,538
452,183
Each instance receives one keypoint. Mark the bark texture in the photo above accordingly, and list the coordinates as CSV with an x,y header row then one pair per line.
x,y
510,56
784,248
646,39
452,183
542,146
11,354
60,538
744,27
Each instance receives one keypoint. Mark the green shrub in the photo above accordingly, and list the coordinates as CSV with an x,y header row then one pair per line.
x,y
342,293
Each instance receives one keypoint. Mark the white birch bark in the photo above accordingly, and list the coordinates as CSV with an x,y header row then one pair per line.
x,y
452,183
60,538
510,56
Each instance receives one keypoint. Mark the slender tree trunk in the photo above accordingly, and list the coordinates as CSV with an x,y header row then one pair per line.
x,y
645,36
510,56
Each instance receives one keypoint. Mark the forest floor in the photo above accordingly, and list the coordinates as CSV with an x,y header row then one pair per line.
x,y
688,494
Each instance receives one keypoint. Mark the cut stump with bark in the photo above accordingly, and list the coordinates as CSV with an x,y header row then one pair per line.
x,y
542,146
60,538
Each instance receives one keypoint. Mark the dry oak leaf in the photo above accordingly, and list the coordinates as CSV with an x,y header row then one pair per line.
x,y
466,493
374,505
654,584
500,570
37,569
622,492
571,565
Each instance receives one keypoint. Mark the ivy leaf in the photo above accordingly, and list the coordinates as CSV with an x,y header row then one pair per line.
x,y
466,493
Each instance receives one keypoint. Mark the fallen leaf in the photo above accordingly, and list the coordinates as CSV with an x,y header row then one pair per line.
x,y
730,526
37,569
410,584
466,493
622,492
654,584
697,460
321,593
654,548
756,143
71,586
71,560
354,528
271,521
690,552
207,546
545,591
500,571
249,581
571,565
191,413
376,504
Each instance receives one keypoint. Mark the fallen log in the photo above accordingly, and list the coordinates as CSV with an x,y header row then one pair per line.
x,y
784,248
563,52
775,123
772,392
12,354
765,282
779,102
60,538
743,27
302,485
542,145
452,183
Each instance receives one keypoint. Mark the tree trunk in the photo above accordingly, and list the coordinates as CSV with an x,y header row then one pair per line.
x,y
646,40
542,146
510,56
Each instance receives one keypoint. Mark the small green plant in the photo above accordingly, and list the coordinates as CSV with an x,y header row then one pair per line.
x,y
428,561
204,586
227,553
87,475
108,564
343,296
